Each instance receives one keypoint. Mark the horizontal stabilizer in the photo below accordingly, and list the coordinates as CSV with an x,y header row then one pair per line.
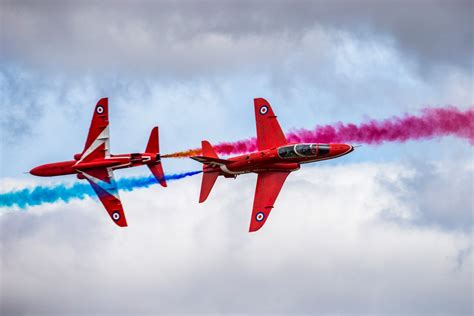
x,y
157,171
208,181
153,147
210,160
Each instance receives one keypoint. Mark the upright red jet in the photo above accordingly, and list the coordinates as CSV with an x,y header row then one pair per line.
x,y
273,162
96,164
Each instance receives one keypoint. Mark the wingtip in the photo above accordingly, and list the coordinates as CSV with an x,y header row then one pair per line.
x,y
121,222
203,197
103,101
255,226
253,229
122,225
259,100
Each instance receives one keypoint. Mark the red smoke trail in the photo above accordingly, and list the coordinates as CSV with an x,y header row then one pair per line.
x,y
447,121
438,122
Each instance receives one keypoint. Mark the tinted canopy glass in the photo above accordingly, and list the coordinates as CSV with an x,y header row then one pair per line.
x,y
323,149
287,152
307,150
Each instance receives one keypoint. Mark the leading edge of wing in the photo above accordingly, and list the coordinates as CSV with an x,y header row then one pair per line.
x,y
269,184
269,132
106,190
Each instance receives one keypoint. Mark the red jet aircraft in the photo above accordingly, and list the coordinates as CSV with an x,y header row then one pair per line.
x,y
273,162
96,164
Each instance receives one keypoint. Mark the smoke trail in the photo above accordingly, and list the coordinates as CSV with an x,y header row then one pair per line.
x,y
438,122
447,121
50,194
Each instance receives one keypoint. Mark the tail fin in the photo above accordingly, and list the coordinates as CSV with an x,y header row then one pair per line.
x,y
210,159
207,150
153,147
209,156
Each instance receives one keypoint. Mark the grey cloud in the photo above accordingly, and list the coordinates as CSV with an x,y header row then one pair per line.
x,y
191,38
49,114
324,244
453,208
325,58
441,192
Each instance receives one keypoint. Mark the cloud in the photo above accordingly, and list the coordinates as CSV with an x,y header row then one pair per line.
x,y
378,238
325,242
188,38
196,67
53,111
452,210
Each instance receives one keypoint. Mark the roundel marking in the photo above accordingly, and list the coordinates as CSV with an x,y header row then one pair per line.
x,y
263,109
260,216
100,109
116,216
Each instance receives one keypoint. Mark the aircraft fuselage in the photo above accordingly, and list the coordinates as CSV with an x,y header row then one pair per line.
x,y
112,162
284,158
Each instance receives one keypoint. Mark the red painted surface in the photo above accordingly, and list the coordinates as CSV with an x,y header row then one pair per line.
x,y
275,159
96,164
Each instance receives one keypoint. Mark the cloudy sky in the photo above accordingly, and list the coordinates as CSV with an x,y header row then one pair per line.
x,y
386,230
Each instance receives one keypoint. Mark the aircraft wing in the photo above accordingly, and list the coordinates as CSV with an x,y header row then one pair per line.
x,y
269,184
97,143
103,182
269,133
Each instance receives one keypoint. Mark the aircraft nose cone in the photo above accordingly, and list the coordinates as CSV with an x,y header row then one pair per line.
x,y
346,147
34,171
339,149
37,171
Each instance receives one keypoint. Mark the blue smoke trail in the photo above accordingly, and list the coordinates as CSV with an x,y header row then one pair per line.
x,y
50,194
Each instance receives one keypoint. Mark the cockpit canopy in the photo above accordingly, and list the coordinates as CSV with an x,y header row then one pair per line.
x,y
307,150
303,150
287,152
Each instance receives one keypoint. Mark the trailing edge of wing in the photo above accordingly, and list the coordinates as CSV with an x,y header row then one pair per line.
x,y
268,187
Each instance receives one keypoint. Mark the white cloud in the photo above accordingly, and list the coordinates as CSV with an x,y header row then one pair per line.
x,y
54,112
326,248
343,239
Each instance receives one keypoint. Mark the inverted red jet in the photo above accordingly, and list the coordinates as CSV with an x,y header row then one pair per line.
x,y
96,164
273,162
